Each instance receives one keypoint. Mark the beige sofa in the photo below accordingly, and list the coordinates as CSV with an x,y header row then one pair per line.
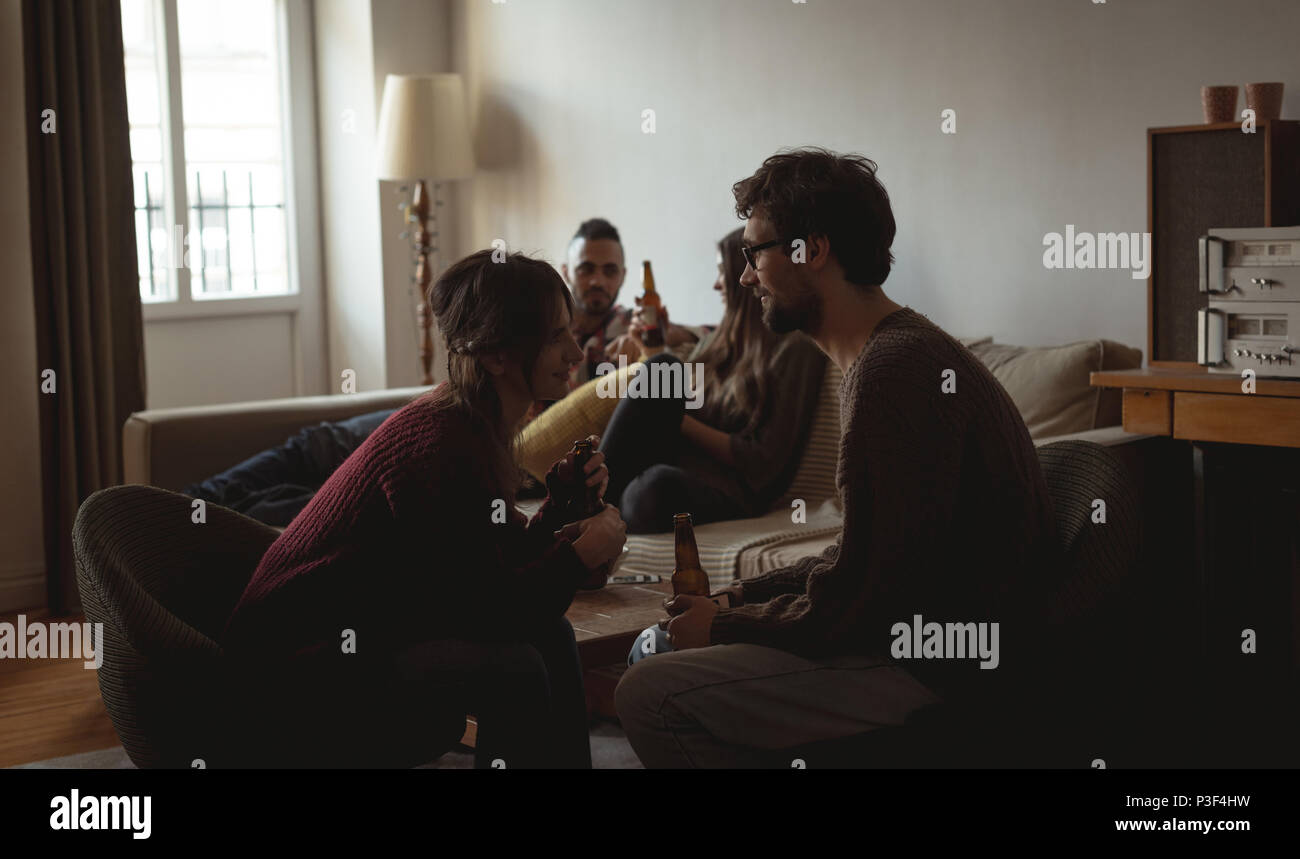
x,y
172,448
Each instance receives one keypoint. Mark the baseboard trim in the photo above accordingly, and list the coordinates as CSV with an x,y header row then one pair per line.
x,y
22,589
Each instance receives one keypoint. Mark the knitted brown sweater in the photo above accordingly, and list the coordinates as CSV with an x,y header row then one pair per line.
x,y
946,515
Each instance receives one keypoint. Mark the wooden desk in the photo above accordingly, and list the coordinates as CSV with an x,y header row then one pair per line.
x,y
1200,406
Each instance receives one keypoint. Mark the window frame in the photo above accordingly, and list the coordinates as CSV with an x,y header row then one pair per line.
x,y
298,112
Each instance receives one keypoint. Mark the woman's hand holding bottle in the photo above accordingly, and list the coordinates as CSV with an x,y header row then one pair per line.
x,y
597,539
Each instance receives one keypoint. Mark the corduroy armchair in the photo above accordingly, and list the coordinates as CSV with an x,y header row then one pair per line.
x,y
163,586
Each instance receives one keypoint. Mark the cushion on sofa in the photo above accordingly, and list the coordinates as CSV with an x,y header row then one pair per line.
x,y
1050,384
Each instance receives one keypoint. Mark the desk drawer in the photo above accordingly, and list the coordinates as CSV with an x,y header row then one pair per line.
x,y
1147,411
1237,418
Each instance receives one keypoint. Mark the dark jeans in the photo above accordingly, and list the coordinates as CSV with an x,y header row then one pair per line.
x,y
275,485
528,697
641,445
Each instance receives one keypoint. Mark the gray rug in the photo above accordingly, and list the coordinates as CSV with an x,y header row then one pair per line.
x,y
610,750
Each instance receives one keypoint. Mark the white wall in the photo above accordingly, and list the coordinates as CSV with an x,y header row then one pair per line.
x,y
350,230
1053,99
410,37
368,264
227,359
22,556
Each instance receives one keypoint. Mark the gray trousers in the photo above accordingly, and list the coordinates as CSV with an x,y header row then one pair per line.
x,y
716,707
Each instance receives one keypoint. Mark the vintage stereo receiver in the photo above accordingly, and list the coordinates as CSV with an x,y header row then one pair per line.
x,y
1252,276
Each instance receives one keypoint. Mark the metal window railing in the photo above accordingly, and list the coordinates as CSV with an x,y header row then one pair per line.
x,y
202,212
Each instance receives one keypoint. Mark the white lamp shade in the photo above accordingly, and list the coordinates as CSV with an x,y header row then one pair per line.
x,y
424,129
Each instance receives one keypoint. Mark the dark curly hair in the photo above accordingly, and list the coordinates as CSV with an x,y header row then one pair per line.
x,y
596,228
813,191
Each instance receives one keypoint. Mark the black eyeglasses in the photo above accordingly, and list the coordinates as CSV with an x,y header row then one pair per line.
x,y
751,253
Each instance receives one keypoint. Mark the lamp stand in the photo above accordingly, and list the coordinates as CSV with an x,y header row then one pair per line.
x,y
418,214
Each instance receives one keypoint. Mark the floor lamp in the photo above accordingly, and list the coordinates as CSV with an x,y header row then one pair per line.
x,y
424,135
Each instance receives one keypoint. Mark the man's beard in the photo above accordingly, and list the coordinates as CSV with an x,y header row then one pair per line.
x,y
801,311
603,301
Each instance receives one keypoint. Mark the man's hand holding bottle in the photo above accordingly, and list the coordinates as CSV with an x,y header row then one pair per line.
x,y
631,344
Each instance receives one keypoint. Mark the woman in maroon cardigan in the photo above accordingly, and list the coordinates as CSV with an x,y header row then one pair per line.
x,y
411,562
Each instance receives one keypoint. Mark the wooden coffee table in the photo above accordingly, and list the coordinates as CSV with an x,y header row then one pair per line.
x,y
605,623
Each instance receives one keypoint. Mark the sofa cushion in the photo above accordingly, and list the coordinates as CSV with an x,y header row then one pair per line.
x,y
1050,385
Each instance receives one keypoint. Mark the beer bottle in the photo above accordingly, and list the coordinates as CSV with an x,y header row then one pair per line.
x,y
688,577
652,335
586,499
585,502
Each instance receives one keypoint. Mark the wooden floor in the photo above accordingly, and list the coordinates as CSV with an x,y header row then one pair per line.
x,y
50,708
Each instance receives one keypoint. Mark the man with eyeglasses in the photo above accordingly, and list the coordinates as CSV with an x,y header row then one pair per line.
x,y
947,519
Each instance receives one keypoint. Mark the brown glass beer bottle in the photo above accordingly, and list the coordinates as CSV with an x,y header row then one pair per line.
x,y
688,577
585,502
586,498
652,334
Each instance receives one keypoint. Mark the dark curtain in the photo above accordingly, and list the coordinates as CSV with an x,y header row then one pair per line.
x,y
89,327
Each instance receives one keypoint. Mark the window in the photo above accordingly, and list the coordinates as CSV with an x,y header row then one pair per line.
x,y
206,103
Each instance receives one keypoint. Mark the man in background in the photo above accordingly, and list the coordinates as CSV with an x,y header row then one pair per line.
x,y
595,270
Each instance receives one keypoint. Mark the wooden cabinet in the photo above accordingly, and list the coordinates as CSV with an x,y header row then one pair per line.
x,y
1200,406
1147,411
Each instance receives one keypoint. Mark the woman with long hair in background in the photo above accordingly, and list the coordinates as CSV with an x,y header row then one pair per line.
x,y
735,455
